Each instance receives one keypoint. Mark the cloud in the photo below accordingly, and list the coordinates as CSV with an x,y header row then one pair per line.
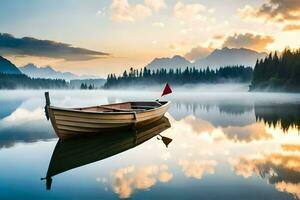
x,y
121,10
23,125
291,27
158,24
276,167
247,12
165,176
218,37
237,134
178,45
273,10
198,125
198,52
249,133
156,4
248,40
28,46
197,169
173,46
280,169
126,180
101,12
291,147
22,115
186,12
289,188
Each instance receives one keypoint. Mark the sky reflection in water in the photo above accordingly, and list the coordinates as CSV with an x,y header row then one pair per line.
x,y
224,146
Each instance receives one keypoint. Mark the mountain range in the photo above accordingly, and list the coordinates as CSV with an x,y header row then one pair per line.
x,y
33,71
7,67
218,58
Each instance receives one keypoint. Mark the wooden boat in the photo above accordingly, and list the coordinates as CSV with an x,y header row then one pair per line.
x,y
69,122
76,152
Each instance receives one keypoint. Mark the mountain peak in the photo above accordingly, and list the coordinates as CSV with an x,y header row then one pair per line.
x,y
176,61
47,67
30,66
178,57
7,67
225,48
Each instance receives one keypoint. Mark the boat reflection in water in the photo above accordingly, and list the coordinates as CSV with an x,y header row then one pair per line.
x,y
76,152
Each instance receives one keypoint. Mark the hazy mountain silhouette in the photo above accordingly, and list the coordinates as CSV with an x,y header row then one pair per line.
x,y
218,58
7,67
167,63
227,56
33,71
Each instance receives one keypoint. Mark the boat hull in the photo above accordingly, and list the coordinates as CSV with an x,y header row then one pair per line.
x,y
69,122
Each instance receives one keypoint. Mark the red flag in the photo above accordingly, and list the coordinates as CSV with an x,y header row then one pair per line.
x,y
167,90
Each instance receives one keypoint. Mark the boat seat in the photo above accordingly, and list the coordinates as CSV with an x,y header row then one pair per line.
x,y
122,110
144,107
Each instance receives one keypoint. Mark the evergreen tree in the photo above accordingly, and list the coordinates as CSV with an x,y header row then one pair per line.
x,y
278,73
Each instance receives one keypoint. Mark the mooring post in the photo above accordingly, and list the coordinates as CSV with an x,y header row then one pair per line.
x,y
47,104
47,98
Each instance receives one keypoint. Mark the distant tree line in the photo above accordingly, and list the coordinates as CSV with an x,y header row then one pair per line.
x,y
84,86
86,83
178,76
15,81
21,81
279,73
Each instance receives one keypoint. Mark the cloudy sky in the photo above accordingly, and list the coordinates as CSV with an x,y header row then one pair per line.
x,y
101,36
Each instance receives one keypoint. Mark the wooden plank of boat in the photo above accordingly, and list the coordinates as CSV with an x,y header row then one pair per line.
x,y
69,122
76,152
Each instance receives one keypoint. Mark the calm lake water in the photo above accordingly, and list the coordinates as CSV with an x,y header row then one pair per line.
x,y
224,146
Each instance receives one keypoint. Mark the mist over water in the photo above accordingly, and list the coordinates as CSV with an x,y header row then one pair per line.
x,y
228,87
216,87
225,145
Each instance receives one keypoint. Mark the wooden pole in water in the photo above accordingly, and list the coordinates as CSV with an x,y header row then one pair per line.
x,y
47,98
47,104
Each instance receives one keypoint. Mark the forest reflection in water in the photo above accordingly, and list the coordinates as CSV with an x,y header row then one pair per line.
x,y
214,141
